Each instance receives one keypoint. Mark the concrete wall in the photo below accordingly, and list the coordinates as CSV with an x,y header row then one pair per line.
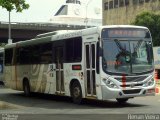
x,y
125,11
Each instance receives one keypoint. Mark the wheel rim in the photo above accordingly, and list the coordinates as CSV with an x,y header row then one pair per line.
x,y
76,92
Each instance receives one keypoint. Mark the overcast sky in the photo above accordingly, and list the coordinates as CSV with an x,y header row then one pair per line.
x,y
43,10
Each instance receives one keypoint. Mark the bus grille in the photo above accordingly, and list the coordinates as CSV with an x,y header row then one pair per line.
x,y
132,79
135,91
135,85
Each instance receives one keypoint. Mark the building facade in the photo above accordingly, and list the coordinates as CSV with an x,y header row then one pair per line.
x,y
125,11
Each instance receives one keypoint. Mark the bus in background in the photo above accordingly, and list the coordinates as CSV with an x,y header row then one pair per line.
x,y
107,62
156,52
1,66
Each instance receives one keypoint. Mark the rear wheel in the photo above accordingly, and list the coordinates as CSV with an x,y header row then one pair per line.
x,y
122,100
26,88
76,93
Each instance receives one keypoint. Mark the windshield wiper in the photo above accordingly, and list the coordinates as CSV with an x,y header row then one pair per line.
x,y
118,44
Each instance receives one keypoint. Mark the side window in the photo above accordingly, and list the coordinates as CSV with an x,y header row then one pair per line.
x,y
135,2
77,49
126,2
147,0
8,56
69,52
35,54
106,6
121,3
35,58
110,4
116,4
46,53
141,1
73,50
153,0
24,55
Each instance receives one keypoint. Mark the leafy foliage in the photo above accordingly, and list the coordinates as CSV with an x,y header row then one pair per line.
x,y
152,21
18,5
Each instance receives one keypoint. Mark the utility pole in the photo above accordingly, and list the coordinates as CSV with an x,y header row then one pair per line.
x,y
9,29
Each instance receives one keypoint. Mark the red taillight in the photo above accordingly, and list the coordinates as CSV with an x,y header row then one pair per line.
x,y
76,67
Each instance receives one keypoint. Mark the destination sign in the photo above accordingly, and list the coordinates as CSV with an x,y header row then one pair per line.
x,y
125,33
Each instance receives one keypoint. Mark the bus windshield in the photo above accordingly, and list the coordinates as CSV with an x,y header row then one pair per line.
x,y
127,55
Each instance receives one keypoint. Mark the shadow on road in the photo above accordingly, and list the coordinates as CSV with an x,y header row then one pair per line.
x,y
52,102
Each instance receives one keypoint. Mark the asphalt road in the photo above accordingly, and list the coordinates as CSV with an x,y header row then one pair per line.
x,y
47,107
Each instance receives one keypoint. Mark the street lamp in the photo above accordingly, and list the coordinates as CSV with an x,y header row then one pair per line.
x,y
9,29
86,19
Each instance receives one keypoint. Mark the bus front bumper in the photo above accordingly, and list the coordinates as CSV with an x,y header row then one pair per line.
x,y
108,93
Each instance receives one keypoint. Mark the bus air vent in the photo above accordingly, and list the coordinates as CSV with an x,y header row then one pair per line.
x,y
135,91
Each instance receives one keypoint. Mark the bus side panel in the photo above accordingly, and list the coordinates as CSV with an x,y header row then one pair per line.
x,y
7,76
22,72
40,77
51,79
70,75
10,80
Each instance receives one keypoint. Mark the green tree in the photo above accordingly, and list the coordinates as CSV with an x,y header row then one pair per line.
x,y
18,5
152,21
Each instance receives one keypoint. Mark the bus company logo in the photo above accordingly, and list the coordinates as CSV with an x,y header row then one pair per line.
x,y
158,51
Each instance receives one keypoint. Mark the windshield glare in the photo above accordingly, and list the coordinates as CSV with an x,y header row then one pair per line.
x,y
127,56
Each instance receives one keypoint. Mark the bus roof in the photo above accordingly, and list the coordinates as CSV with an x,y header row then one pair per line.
x,y
64,34
53,33
123,26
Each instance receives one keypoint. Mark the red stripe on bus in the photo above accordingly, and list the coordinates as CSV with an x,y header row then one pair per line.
x,y
123,81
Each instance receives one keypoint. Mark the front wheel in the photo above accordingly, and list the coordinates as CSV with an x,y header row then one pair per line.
x,y
122,100
76,93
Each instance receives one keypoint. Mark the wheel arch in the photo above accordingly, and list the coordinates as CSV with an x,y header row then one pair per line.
x,y
71,83
26,87
25,79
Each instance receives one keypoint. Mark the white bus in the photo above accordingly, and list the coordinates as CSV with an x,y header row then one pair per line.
x,y
107,62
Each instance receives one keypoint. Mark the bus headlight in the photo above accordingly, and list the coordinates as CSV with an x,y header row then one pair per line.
x,y
149,83
110,83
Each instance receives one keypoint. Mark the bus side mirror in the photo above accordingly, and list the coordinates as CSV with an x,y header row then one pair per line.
x,y
99,50
99,53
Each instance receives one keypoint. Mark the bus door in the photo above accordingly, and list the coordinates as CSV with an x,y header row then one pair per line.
x,y
59,70
90,69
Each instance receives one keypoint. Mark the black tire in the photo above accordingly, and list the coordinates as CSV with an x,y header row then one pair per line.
x,y
26,88
2,83
122,100
76,93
